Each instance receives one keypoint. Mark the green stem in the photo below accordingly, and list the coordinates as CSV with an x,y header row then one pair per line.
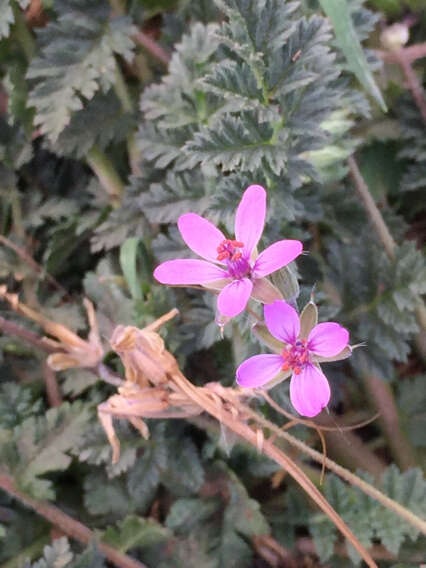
x,y
23,34
122,91
107,174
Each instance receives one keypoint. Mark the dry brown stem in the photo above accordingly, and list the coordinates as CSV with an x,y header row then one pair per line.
x,y
152,47
410,53
52,388
68,525
156,388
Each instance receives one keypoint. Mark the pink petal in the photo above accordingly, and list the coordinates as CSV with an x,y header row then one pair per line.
x,y
234,297
250,218
309,391
258,370
328,339
200,235
282,321
276,256
187,271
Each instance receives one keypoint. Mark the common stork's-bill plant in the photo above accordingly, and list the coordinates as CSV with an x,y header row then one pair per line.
x,y
300,351
232,266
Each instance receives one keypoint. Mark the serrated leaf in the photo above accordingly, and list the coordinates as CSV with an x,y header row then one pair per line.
x,y
77,59
43,442
347,39
237,143
58,555
103,496
16,404
135,532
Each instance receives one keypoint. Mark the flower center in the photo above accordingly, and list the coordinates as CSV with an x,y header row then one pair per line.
x,y
229,251
295,356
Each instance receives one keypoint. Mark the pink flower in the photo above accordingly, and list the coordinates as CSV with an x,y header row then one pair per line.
x,y
301,346
232,266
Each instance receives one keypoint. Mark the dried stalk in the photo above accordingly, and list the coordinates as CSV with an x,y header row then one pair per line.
x,y
410,53
152,47
158,389
27,335
69,526
413,84
388,412
51,384
200,397
351,478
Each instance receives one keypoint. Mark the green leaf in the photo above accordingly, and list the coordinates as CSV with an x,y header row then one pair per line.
x,y
77,60
41,444
134,532
128,263
6,17
16,404
57,555
347,39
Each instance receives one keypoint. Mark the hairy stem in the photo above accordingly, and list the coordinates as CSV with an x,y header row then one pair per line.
x,y
107,174
410,53
68,525
413,84
382,397
23,34
152,47
348,448
255,438
122,91
351,478
27,335
53,391
371,208
387,241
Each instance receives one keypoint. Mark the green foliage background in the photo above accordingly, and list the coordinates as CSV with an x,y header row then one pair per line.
x,y
103,145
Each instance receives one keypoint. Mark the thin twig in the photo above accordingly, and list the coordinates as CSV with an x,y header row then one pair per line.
x,y
152,47
200,397
28,259
34,339
382,397
388,243
351,478
306,546
52,388
413,84
68,525
410,53
371,208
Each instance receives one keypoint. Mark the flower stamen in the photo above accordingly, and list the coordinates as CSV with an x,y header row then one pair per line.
x,y
295,356
227,250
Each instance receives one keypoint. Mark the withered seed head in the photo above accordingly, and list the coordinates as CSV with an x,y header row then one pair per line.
x,y
143,354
